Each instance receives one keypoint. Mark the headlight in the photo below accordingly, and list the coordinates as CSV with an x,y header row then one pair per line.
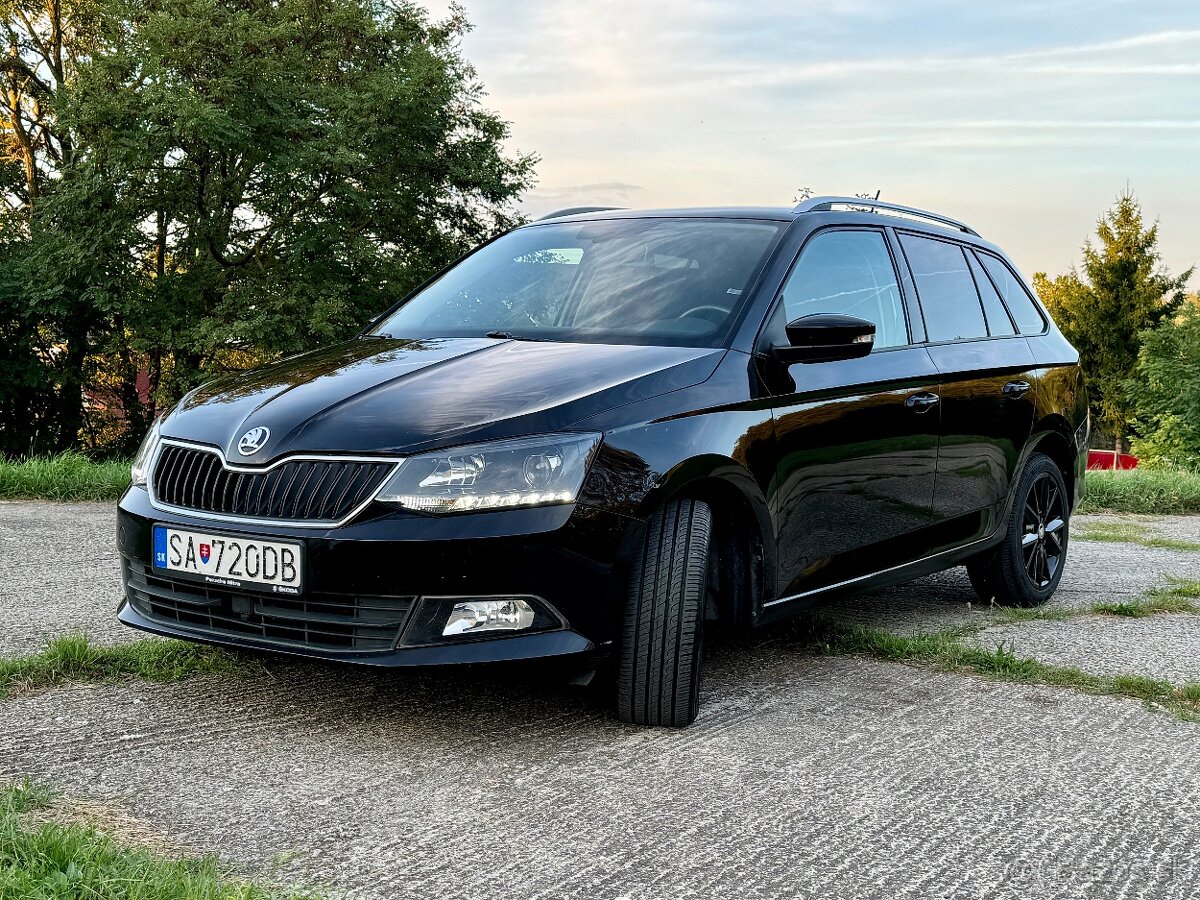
x,y
534,471
141,461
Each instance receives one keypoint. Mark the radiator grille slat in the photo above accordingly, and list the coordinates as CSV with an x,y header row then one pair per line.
x,y
301,490
319,621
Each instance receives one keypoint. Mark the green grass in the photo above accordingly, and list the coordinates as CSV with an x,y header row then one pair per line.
x,y
75,861
1152,605
1178,587
1176,595
71,476
945,651
73,658
1150,491
1129,533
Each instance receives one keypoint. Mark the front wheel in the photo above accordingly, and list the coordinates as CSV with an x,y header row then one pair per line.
x,y
662,639
1027,566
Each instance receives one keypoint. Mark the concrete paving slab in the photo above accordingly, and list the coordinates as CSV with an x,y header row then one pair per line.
x,y
1179,528
58,574
1097,571
1165,646
803,777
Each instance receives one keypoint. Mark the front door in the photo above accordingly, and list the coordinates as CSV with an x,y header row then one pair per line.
x,y
856,440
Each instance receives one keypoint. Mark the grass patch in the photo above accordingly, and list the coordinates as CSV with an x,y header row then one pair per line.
x,y
1152,605
944,651
73,658
1128,533
70,476
1178,587
1150,491
1178,595
75,861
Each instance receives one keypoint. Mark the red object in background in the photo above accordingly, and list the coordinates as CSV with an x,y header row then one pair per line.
x,y
143,386
1103,459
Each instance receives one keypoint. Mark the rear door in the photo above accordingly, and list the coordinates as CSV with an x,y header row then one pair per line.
x,y
856,440
985,371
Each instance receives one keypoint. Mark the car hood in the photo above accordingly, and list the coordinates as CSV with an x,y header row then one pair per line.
x,y
383,395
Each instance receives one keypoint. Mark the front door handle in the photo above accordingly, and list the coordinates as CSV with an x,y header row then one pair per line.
x,y
920,403
1016,389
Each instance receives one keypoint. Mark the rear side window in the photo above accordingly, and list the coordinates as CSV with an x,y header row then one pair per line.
x,y
1016,298
848,272
998,321
945,288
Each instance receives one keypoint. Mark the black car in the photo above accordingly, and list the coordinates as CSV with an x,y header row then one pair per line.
x,y
604,432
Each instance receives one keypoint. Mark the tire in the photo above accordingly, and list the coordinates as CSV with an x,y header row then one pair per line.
x,y
1025,569
662,637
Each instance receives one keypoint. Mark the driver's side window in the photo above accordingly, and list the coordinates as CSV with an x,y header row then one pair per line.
x,y
851,273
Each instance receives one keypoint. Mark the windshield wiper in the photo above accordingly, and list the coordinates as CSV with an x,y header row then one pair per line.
x,y
509,336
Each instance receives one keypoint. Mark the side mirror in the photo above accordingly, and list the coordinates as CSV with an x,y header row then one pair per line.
x,y
824,337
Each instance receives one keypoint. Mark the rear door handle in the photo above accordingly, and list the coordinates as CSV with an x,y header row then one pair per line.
x,y
920,403
1016,389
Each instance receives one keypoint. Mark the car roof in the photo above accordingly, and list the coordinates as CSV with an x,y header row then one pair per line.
x,y
779,213
909,218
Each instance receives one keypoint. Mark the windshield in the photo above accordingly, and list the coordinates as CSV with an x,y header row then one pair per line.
x,y
621,281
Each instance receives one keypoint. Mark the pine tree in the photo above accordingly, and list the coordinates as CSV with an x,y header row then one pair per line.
x,y
1122,291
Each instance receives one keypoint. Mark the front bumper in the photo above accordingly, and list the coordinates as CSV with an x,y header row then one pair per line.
x,y
368,583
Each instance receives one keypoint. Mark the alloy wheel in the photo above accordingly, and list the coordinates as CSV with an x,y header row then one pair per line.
x,y
1042,535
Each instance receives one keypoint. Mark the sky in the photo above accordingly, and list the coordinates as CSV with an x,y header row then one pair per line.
x,y
1024,118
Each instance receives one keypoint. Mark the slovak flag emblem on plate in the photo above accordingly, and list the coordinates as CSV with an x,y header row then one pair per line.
x,y
205,552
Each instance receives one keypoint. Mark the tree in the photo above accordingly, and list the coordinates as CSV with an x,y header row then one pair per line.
x,y
48,302
210,183
1123,291
1167,396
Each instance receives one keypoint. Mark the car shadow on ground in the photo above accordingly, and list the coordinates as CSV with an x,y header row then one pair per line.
x,y
501,696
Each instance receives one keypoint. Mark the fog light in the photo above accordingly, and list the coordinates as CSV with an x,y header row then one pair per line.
x,y
475,616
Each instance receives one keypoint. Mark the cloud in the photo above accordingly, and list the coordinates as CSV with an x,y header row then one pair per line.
x,y
702,102
602,193
1153,39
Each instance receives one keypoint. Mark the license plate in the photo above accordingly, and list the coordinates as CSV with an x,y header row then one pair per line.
x,y
230,560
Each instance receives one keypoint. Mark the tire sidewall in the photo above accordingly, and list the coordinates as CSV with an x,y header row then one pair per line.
x,y
1038,465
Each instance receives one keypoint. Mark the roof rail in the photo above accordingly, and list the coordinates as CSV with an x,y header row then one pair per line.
x,y
577,210
820,204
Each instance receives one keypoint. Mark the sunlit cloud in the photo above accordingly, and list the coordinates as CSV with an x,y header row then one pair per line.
x,y
1057,104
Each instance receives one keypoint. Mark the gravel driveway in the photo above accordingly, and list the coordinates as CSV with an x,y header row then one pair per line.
x,y
805,776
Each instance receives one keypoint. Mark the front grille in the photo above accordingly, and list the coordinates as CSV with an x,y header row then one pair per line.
x,y
320,621
305,489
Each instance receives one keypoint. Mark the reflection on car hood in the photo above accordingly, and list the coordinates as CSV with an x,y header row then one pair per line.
x,y
398,396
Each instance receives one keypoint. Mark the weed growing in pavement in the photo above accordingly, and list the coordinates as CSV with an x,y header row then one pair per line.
x,y
1126,533
74,859
74,658
946,651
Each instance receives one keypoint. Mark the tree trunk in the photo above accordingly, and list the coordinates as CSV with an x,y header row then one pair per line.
x,y
70,390
1118,449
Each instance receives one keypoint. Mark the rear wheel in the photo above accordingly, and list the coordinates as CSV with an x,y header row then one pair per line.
x,y
662,639
1027,566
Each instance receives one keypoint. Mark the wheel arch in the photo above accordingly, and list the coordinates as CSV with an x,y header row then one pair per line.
x,y
743,533
1052,436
